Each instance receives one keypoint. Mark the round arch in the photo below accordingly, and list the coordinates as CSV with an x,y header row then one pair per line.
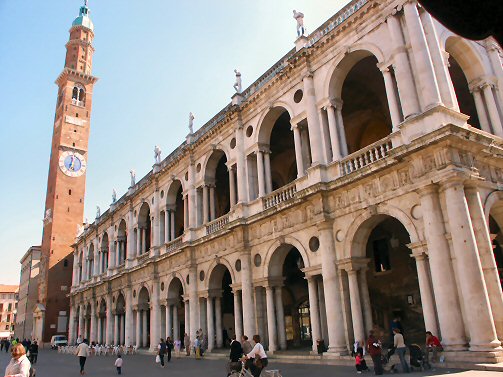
x,y
277,252
142,292
268,118
466,56
172,190
177,279
494,198
214,266
211,161
360,229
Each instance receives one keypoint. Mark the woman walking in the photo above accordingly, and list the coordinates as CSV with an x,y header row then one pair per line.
x,y
400,347
162,351
83,354
19,365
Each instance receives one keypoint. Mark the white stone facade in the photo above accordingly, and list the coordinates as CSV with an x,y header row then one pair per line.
x,y
319,182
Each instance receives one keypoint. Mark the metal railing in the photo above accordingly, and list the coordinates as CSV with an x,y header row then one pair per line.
x,y
366,156
280,195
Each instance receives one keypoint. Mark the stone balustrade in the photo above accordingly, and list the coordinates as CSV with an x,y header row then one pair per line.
x,y
217,224
281,195
366,156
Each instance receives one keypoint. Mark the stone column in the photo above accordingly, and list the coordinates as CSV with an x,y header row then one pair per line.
x,y
496,64
472,286
144,236
109,321
314,311
447,94
156,226
211,325
128,330
247,295
96,269
172,224
298,151
206,204
71,325
94,325
75,280
365,296
167,225
403,73
185,212
122,338
241,162
340,128
155,315
144,328
130,235
323,313
428,87
232,185
84,265
392,99
481,110
138,241
238,321
442,275
492,110
100,329
212,203
486,254
192,197
268,176
176,324
194,302
202,315
260,173
186,310
423,275
356,306
332,127
271,318
169,324
116,329
138,336
332,292
81,331
218,317
280,317
313,121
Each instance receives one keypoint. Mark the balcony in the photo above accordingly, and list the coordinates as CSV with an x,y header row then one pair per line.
x,y
279,196
366,156
173,245
217,224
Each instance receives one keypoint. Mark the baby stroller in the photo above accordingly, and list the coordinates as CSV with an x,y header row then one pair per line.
x,y
417,358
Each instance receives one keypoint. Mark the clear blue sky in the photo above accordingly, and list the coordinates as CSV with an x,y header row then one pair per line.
x,y
156,60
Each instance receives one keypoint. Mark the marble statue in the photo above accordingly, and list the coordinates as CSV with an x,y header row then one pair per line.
x,y
191,122
133,177
98,212
157,154
237,84
299,16
114,196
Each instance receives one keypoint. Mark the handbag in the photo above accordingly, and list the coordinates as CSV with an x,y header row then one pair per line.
x,y
158,359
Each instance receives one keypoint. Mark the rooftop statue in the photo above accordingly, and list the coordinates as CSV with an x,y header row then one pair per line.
x,y
98,212
299,16
191,122
157,154
237,84
133,177
114,196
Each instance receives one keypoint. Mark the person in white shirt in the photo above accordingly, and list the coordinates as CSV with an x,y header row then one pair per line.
x,y
257,357
401,348
19,365
82,353
118,364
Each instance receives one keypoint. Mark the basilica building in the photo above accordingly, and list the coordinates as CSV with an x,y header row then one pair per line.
x,y
357,181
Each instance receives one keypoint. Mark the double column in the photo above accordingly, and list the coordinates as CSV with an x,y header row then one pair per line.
x,y
109,336
172,322
352,268
247,295
128,330
169,224
264,172
275,317
155,315
208,203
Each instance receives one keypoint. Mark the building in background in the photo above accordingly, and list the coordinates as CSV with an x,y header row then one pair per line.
x,y
28,292
8,308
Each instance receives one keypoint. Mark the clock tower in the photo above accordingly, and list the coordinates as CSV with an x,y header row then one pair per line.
x,y
64,203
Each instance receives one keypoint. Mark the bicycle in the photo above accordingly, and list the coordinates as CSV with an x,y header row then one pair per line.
x,y
246,373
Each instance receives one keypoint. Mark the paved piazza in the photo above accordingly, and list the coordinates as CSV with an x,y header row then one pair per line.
x,y
53,364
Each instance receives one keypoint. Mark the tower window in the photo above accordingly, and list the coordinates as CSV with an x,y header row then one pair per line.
x,y
78,95
76,116
73,144
68,209
65,263
70,192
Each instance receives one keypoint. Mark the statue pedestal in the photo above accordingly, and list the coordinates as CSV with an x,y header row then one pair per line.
x,y
189,138
237,98
130,190
300,43
156,168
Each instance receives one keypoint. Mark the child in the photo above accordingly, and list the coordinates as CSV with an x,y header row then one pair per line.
x,y
360,362
178,347
118,364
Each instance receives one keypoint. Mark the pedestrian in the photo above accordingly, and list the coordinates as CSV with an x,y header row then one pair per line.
x,y
197,348
178,347
433,346
360,363
399,344
1,344
19,365
33,352
161,351
83,353
374,348
234,356
169,347
7,345
186,343
245,343
118,363
258,357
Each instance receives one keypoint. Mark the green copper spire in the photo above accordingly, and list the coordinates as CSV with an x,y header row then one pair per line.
x,y
83,18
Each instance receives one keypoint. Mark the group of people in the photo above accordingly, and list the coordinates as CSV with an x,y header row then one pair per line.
x,y
374,348
253,357
166,348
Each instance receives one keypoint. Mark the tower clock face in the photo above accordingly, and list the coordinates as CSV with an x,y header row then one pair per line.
x,y
73,164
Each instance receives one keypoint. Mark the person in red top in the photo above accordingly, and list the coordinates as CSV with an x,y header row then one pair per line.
x,y
374,347
432,345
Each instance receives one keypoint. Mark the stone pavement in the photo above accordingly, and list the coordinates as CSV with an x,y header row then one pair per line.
x,y
52,364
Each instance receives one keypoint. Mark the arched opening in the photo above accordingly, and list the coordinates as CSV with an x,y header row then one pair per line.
x,y
174,214
101,322
79,95
392,280
104,253
365,112
276,132
122,242
144,229
219,308
286,265
120,312
217,178
173,322
90,261
142,319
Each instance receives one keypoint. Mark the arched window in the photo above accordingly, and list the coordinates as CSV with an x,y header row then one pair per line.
x,y
79,95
